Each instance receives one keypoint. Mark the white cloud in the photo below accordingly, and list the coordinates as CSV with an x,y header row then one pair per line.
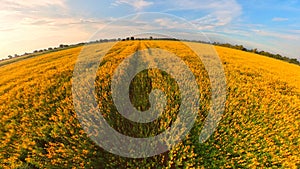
x,y
33,24
15,14
277,35
218,13
137,4
171,23
30,3
278,19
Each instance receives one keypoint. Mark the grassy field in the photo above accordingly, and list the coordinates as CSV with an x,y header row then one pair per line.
x,y
260,127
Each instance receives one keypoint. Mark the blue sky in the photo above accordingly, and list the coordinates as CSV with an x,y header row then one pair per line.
x,y
270,25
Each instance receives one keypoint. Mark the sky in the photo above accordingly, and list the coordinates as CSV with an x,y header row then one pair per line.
x,y
269,25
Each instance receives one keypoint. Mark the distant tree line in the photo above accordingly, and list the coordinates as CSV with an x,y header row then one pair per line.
x,y
238,47
264,53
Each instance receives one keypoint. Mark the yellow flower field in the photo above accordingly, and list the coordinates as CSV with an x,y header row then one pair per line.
x,y
260,127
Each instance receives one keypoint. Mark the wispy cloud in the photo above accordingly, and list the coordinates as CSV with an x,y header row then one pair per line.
x,y
279,19
277,34
20,13
34,24
171,23
137,4
19,5
218,13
